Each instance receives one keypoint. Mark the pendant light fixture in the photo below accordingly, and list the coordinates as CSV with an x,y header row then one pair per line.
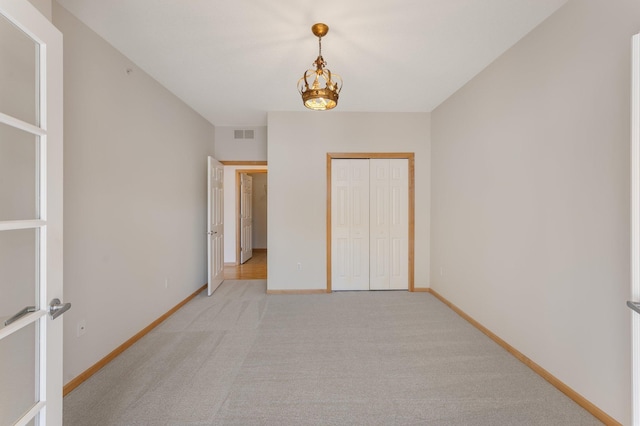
x,y
316,96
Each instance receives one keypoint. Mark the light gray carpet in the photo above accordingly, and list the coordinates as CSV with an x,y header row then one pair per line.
x,y
241,357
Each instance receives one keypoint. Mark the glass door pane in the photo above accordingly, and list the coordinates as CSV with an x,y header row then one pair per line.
x,y
18,73
18,273
18,355
18,174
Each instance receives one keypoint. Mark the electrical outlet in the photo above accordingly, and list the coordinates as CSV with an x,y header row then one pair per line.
x,y
166,282
81,328
299,266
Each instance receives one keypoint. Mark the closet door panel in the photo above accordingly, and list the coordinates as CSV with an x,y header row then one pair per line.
x,y
379,228
350,224
398,223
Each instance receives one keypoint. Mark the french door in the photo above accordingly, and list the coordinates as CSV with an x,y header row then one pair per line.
x,y
634,303
30,217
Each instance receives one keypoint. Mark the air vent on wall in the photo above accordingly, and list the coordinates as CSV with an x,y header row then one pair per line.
x,y
243,134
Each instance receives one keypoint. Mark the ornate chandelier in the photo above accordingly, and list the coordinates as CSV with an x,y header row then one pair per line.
x,y
315,96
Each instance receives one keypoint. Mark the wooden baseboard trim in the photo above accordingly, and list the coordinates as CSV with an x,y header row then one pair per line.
x,y
74,383
314,291
324,291
575,396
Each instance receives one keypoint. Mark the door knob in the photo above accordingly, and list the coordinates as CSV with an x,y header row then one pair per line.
x,y
57,308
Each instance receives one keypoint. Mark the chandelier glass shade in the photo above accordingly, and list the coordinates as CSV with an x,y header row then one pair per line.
x,y
319,87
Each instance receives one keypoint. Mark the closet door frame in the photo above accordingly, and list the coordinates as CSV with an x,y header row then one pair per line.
x,y
410,157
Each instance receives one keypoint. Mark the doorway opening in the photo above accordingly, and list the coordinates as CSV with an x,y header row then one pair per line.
x,y
250,218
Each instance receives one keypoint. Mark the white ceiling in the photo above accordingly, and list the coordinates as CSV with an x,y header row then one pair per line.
x,y
234,60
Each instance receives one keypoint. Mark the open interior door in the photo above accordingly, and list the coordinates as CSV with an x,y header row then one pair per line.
x,y
215,224
30,217
246,217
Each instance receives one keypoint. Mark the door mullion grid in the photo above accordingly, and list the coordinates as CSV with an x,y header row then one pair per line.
x,y
21,125
39,318
21,323
29,415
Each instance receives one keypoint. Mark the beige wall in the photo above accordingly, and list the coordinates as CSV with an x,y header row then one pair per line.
x,y
229,148
135,164
298,145
530,198
44,6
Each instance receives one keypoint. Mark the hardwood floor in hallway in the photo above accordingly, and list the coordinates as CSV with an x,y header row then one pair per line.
x,y
253,269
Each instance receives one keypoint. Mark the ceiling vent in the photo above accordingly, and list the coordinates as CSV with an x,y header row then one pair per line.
x,y
243,134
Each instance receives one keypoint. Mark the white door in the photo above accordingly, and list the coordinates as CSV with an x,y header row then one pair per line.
x,y
369,224
379,227
350,224
215,224
389,228
246,217
30,216
634,303
399,224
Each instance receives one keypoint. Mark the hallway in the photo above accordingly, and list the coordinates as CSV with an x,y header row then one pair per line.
x,y
253,269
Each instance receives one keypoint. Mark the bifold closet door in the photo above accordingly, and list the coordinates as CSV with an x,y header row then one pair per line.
x,y
369,208
350,224
388,221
